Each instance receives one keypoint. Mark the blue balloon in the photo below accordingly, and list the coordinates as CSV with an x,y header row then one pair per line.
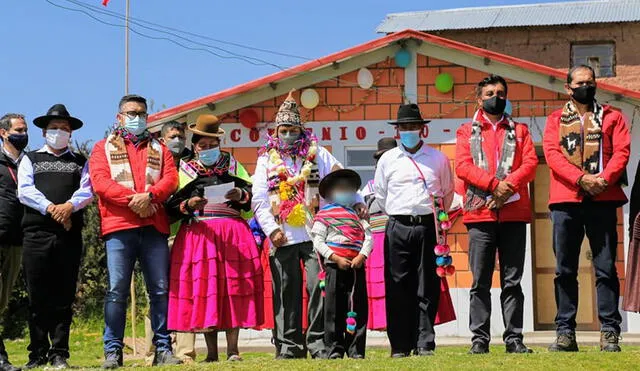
x,y
508,109
403,58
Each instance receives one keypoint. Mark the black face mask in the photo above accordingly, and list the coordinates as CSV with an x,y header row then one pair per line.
x,y
584,94
19,141
494,105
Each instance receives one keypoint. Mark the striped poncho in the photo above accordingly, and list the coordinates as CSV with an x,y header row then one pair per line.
x,y
346,221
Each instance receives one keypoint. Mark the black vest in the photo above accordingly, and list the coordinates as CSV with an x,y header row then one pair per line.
x,y
10,208
57,178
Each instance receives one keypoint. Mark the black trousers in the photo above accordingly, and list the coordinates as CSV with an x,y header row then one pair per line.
x,y
412,287
339,284
570,223
51,260
509,241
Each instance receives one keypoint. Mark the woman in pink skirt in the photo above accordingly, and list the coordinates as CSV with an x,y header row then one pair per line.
x,y
216,278
375,261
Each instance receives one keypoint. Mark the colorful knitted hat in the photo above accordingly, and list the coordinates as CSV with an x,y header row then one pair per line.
x,y
288,113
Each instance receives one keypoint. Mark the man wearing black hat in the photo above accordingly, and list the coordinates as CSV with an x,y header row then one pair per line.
x,y
406,181
13,131
54,186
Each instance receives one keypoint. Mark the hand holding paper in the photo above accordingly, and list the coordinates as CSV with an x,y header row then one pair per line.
x,y
215,194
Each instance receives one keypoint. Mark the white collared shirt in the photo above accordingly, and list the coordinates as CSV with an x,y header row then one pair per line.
x,y
31,196
398,185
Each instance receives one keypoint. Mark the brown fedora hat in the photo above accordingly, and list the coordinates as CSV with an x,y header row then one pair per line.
x,y
207,126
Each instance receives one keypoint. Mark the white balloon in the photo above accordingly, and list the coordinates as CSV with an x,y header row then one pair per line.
x,y
365,78
309,99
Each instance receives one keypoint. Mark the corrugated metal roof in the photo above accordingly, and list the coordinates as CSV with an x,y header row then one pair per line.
x,y
545,14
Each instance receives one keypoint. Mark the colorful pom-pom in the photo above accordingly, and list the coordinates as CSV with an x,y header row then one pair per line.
x,y
443,217
322,275
447,260
351,329
352,314
445,225
441,261
450,270
441,272
351,321
440,250
322,284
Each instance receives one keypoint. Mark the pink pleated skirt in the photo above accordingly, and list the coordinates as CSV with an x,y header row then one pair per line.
x,y
375,284
216,279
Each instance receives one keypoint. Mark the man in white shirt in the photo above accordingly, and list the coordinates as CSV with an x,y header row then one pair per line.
x,y
407,178
285,189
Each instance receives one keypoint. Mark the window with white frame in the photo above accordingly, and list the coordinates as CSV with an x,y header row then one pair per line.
x,y
600,56
360,159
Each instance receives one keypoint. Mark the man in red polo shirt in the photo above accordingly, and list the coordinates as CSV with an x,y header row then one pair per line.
x,y
587,148
133,174
496,160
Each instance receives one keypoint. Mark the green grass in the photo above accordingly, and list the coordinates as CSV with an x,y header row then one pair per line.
x,y
86,353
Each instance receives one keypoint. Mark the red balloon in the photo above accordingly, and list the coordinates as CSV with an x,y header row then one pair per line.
x,y
249,118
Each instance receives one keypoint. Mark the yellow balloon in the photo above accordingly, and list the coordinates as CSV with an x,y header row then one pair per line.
x,y
309,99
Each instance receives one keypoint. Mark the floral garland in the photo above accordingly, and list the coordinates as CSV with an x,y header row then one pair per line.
x,y
291,187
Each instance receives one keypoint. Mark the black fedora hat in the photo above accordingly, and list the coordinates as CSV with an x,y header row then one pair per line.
x,y
384,145
57,111
328,182
408,114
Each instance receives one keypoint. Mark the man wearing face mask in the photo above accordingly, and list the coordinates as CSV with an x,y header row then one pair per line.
x,y
13,130
173,136
407,179
54,186
496,160
285,193
587,147
133,175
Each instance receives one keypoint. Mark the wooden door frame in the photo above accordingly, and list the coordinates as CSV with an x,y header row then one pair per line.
x,y
594,326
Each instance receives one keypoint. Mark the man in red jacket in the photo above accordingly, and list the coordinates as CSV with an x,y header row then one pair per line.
x,y
496,160
133,174
587,148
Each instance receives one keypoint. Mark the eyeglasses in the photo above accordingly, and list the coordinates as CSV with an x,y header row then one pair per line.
x,y
134,114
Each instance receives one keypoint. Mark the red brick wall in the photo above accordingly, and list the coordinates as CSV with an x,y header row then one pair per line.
x,y
551,45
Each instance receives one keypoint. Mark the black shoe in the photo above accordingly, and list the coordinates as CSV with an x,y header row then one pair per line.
x,y
112,360
59,363
321,354
357,356
564,343
35,363
165,358
424,352
5,365
479,347
285,356
336,356
400,354
517,346
609,341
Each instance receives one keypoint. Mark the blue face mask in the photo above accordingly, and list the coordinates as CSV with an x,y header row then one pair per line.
x,y
344,198
210,156
135,125
410,139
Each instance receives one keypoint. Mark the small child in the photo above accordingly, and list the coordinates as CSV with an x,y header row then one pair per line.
x,y
344,241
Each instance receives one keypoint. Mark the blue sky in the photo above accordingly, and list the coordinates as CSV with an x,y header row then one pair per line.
x,y
52,55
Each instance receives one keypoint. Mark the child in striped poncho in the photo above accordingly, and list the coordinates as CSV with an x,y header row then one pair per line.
x,y
343,242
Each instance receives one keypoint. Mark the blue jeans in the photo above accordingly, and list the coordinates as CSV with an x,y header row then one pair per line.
x,y
123,248
571,221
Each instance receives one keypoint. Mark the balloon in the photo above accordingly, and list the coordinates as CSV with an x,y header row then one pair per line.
x,y
309,99
249,118
508,109
403,58
365,78
444,83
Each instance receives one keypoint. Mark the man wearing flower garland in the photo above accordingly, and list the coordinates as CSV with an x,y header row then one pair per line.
x,y
285,195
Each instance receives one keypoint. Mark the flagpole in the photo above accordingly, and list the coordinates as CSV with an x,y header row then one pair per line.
x,y
126,91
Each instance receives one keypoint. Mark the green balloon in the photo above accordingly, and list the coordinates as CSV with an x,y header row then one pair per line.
x,y
444,83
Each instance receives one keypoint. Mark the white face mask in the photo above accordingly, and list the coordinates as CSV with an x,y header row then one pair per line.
x,y
57,139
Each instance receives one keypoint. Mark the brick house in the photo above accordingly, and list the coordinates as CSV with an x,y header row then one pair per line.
x,y
604,34
349,121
